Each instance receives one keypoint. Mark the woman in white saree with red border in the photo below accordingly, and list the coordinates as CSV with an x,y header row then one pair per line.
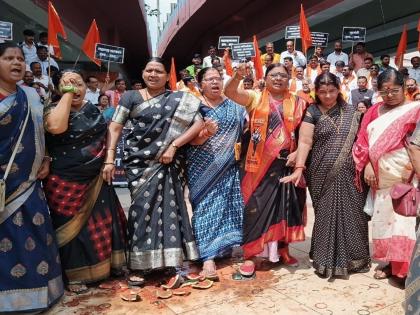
x,y
381,152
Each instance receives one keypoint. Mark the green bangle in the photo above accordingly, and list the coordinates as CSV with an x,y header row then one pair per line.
x,y
68,89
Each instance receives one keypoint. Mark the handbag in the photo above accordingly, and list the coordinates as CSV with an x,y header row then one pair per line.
x,y
10,163
405,198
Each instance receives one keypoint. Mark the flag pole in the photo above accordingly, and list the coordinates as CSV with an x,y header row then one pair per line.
x,y
49,75
77,59
109,64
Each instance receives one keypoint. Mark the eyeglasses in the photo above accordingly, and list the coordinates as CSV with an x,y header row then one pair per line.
x,y
282,75
393,92
215,79
374,69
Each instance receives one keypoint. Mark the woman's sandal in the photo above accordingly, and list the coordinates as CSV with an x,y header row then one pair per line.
x,y
77,287
288,259
209,275
110,285
135,281
237,276
383,273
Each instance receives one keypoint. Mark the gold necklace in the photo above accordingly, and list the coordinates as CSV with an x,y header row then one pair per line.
x,y
7,91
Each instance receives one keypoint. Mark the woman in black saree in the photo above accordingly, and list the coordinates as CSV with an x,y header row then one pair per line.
x,y
340,243
159,229
86,213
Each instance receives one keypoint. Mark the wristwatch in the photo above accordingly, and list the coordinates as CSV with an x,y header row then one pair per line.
x,y
173,144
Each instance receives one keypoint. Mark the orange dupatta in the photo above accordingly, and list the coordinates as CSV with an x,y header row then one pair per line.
x,y
259,126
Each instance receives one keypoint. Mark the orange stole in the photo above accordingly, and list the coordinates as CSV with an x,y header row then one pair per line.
x,y
281,138
309,72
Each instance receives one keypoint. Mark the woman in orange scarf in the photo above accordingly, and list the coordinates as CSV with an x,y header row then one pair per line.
x,y
274,212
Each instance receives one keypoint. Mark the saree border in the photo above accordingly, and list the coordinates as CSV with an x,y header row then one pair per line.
x,y
186,110
160,258
31,299
99,271
344,153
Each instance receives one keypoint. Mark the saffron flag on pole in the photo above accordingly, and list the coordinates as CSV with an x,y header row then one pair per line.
x,y
257,61
305,33
172,76
54,28
91,39
418,29
402,47
228,62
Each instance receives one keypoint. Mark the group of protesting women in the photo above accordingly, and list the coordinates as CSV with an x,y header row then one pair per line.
x,y
246,158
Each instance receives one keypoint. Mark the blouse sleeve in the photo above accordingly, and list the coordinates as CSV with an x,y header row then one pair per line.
x,y
311,116
123,109
253,100
415,138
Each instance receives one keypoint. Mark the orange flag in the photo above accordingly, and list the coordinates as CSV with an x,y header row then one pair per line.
x,y
172,76
418,29
259,74
305,33
91,39
54,28
402,47
228,62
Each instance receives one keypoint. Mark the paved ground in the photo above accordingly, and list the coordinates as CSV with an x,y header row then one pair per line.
x,y
276,290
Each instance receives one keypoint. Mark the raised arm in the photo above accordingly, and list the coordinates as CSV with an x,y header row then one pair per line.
x,y
233,90
306,134
57,119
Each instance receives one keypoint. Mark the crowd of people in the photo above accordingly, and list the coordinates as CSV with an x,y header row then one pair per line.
x,y
241,152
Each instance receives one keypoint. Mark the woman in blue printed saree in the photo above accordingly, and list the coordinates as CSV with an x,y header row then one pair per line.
x,y
213,176
30,271
159,230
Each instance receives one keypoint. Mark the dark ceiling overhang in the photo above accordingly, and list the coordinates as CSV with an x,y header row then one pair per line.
x,y
234,17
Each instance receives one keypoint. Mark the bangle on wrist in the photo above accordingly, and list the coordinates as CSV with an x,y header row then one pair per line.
x,y
173,144
106,163
110,149
68,89
303,167
47,157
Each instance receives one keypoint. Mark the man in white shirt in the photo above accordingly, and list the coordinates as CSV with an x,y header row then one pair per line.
x,y
43,41
338,69
39,77
414,71
338,54
298,58
42,58
348,83
212,54
28,46
295,84
92,91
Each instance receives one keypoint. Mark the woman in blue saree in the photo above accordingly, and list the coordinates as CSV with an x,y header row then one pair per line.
x,y
213,176
30,273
